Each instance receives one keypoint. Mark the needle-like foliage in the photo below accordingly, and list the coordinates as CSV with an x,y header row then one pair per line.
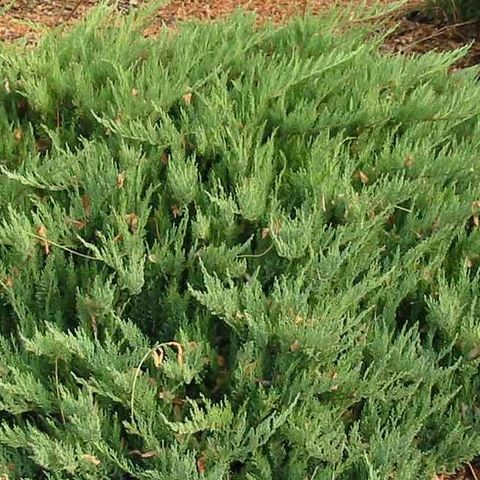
x,y
237,252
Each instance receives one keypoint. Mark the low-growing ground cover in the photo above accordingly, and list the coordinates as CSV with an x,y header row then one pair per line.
x,y
237,252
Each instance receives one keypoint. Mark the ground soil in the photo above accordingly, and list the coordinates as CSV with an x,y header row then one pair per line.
x,y
413,32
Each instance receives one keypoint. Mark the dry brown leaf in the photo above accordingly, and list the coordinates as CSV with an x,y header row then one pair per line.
x,y
408,161
42,232
18,134
152,258
265,233
295,346
166,395
158,356
79,224
474,353
91,459
299,320
120,179
179,348
165,158
132,221
87,205
363,177
149,454
201,465
475,218
176,211
221,361
93,323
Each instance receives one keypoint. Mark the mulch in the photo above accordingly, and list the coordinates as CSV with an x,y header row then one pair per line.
x,y
414,33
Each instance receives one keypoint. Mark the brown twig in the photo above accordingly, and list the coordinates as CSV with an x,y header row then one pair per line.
x,y
72,12
472,471
66,249
439,32
158,359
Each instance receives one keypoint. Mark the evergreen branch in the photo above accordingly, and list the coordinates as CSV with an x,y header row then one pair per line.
x,y
33,180
386,121
337,62
435,175
57,386
343,307
381,15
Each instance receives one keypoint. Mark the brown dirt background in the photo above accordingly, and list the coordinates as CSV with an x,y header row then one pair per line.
x,y
414,33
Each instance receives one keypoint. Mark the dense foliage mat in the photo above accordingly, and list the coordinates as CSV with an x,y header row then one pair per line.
x,y
236,252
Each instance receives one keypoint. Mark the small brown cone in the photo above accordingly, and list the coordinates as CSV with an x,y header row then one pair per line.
x,y
42,232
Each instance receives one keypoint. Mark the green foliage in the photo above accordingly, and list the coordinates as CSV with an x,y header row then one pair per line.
x,y
456,9
271,232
